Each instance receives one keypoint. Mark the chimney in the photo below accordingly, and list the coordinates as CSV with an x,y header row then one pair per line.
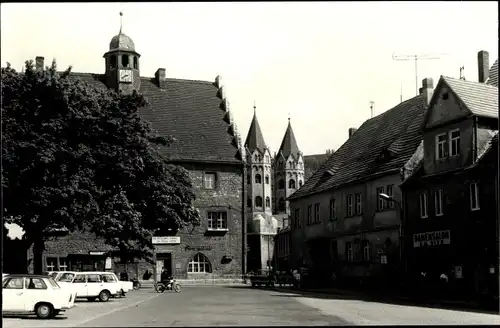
x,y
483,65
420,90
160,78
39,63
351,131
427,90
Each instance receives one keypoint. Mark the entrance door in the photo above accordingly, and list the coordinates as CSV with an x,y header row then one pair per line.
x,y
163,260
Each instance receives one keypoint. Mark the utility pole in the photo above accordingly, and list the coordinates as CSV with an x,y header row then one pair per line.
x,y
416,58
371,107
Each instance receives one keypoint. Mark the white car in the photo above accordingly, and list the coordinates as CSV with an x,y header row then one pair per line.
x,y
89,285
25,293
125,286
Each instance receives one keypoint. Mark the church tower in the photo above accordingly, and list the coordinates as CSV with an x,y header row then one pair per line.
x,y
261,225
288,171
122,63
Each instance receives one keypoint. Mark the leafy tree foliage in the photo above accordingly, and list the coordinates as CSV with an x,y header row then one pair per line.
x,y
76,157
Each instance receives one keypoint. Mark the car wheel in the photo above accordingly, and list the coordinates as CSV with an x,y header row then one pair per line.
x,y
104,296
44,311
177,288
91,299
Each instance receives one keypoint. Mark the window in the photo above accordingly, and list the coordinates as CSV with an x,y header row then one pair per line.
x,y
267,179
440,146
35,283
366,250
380,201
63,264
52,264
125,61
249,201
14,283
282,204
136,62
108,278
300,183
349,206
317,218
454,142
268,202
423,205
332,209
390,192
67,277
258,201
267,158
297,218
209,180
112,61
348,252
309,214
438,202
93,278
281,184
359,204
258,178
291,184
218,220
79,279
199,264
474,196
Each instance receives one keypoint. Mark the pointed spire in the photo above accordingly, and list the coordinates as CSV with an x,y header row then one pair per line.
x,y
255,139
121,22
289,143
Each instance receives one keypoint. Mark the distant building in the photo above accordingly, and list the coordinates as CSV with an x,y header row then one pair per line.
x,y
339,222
312,163
450,191
196,113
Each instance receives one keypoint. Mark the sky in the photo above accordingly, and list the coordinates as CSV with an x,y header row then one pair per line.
x,y
319,63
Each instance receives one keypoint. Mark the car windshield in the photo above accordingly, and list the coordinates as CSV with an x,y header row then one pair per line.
x,y
53,283
53,275
66,277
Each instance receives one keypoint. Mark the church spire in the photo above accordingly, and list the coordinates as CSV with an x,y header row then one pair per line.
x,y
255,139
289,143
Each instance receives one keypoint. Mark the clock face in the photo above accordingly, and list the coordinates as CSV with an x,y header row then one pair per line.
x,y
125,76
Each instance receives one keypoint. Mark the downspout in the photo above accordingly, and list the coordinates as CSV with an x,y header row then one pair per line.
x,y
244,222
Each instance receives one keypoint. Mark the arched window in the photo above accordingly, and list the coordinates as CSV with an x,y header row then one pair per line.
x,y
267,179
136,62
281,184
291,184
258,178
281,204
258,201
199,263
268,202
125,62
249,201
112,61
300,183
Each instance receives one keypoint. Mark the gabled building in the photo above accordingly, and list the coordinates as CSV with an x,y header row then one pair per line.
x,y
450,193
196,113
339,222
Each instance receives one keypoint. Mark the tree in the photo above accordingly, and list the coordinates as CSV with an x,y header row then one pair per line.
x,y
77,157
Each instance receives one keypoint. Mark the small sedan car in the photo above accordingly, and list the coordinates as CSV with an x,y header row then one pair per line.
x,y
39,294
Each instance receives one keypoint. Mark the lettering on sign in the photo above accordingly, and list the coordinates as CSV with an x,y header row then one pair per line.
x,y
166,240
198,248
433,238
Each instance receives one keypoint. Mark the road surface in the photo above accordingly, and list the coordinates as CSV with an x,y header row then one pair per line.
x,y
241,306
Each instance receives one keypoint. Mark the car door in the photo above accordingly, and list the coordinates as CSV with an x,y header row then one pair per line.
x,y
35,290
13,294
80,285
94,284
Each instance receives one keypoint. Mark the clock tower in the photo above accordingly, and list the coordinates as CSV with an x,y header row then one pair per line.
x,y
122,64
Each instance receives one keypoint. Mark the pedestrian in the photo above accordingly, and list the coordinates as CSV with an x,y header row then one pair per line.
x,y
165,276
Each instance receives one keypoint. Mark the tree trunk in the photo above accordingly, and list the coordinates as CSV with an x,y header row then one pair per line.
x,y
38,248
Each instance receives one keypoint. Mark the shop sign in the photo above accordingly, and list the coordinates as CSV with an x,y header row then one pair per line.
x,y
166,240
433,238
383,259
198,247
96,253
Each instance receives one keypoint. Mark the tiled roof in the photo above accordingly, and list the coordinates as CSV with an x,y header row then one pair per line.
x,y
312,163
289,143
493,76
491,145
394,133
480,98
255,139
188,110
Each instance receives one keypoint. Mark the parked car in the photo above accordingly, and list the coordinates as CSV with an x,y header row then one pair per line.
x,y
4,275
37,294
90,285
125,286
55,274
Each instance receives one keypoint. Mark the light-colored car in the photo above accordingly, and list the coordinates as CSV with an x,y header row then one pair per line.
x,y
55,274
25,293
89,285
125,286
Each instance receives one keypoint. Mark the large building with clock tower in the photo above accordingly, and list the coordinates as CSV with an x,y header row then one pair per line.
x,y
197,114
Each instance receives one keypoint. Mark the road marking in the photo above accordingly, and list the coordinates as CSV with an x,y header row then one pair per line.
x,y
115,310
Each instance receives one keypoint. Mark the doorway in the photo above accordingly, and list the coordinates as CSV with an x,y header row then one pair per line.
x,y
163,260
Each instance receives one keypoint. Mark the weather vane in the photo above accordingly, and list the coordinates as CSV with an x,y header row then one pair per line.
x,y
121,21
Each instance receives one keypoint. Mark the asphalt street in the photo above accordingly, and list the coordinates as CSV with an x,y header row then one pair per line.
x,y
243,306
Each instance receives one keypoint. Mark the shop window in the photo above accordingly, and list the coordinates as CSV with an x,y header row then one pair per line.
x,y
199,264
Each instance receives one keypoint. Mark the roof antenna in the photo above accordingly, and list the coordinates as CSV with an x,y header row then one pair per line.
x,y
121,22
254,108
371,107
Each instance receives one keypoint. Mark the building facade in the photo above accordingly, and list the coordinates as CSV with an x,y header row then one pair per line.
x,y
197,115
340,224
451,204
